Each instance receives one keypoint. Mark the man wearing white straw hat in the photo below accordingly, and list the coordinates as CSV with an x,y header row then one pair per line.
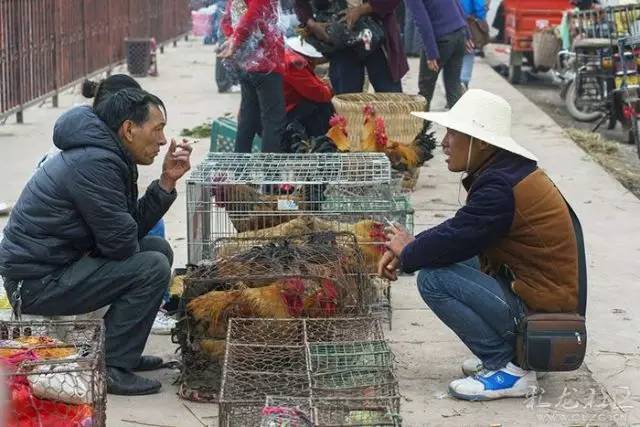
x,y
516,222
307,97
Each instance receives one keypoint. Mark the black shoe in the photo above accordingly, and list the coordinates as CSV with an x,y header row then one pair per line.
x,y
149,363
126,383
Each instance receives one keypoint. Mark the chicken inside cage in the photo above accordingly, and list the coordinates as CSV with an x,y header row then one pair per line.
x,y
317,275
252,195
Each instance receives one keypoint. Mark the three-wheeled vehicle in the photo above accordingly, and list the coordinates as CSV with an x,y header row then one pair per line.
x,y
628,85
598,63
522,19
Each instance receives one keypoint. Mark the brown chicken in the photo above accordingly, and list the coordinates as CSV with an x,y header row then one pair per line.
x,y
369,234
338,132
404,157
283,299
214,349
248,208
368,138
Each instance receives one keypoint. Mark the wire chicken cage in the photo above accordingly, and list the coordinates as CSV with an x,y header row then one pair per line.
x,y
272,359
54,372
314,275
253,195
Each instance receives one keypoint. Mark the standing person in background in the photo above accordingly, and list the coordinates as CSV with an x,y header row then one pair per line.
x,y
385,66
473,9
255,49
308,98
498,24
444,34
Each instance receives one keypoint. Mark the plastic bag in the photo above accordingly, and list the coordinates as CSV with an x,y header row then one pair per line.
x,y
67,387
27,410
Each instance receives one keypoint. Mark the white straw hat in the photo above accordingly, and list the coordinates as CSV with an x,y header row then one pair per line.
x,y
484,116
303,48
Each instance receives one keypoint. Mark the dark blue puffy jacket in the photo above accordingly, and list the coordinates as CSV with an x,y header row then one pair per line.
x,y
82,201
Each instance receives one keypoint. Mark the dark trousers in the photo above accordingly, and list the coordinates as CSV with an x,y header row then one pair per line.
x,y
132,287
314,116
346,72
452,49
262,110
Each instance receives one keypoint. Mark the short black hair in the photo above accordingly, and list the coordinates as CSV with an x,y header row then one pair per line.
x,y
127,104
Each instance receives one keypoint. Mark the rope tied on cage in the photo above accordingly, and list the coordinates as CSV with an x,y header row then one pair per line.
x,y
16,302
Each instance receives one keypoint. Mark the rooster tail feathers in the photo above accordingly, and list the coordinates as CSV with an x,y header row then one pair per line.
x,y
425,143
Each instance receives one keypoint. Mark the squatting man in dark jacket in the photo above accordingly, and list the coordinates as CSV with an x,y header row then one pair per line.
x,y
77,238
511,249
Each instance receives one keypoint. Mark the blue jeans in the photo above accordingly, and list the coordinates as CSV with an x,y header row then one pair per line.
x,y
482,311
467,68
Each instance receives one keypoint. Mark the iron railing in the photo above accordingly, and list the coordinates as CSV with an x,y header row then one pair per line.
x,y
46,45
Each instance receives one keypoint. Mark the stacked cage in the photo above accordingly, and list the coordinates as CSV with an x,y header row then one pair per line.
x,y
269,195
308,372
54,372
273,195
309,275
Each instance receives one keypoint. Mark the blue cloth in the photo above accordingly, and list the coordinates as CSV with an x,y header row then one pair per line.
x,y
483,220
467,68
500,380
82,200
434,19
158,229
474,8
412,38
481,311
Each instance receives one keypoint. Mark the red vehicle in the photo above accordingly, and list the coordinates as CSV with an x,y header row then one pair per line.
x,y
522,19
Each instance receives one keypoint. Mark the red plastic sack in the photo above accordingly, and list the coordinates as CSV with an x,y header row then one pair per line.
x,y
26,410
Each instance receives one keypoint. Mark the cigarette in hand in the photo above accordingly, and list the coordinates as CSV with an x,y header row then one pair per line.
x,y
390,224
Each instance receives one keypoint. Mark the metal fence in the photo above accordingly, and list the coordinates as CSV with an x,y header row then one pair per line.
x,y
45,45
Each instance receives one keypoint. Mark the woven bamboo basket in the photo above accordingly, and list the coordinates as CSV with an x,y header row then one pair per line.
x,y
395,108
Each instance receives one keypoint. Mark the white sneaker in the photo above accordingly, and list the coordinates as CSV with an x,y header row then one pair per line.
x,y
472,366
5,208
163,324
510,381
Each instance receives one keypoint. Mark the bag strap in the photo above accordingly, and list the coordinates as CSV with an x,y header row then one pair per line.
x,y
582,262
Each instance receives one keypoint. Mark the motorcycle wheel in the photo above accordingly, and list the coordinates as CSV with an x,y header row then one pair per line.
x,y
574,110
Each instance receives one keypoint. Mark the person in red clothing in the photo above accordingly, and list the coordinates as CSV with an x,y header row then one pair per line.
x,y
307,97
255,49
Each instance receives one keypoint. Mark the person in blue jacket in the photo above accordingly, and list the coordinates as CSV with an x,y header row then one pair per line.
x,y
77,239
443,28
511,248
477,10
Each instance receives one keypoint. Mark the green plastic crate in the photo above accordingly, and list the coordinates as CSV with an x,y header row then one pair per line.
x,y
223,136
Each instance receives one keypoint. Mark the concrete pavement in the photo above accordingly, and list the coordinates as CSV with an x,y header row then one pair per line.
x,y
429,355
